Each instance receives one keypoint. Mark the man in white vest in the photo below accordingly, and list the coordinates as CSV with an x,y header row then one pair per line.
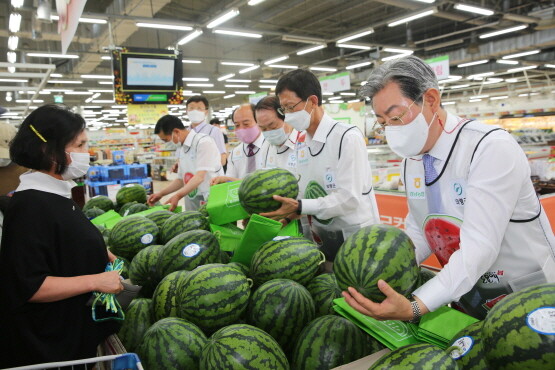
x,y
471,200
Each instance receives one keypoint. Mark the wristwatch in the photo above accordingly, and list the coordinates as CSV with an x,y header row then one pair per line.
x,y
416,313
300,207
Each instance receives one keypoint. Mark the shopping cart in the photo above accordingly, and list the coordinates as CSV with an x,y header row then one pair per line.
x,y
126,361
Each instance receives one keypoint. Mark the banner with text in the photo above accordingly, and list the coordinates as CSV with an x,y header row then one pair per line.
x,y
337,82
145,114
440,65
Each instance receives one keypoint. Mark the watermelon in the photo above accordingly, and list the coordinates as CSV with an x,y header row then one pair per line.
x,y
131,234
187,251
258,188
171,343
159,217
203,210
467,348
416,356
314,191
281,308
519,331
424,275
125,270
443,236
93,212
100,201
323,289
293,258
224,256
240,347
136,208
138,319
131,193
213,296
182,222
143,269
240,267
377,252
164,296
124,209
331,341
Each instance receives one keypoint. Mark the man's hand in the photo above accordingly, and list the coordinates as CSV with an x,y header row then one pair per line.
x,y
153,198
288,209
111,257
173,202
221,179
175,167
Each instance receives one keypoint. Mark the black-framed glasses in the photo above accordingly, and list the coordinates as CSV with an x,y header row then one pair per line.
x,y
282,110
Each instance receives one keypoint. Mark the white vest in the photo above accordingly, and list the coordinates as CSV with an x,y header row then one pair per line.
x,y
527,252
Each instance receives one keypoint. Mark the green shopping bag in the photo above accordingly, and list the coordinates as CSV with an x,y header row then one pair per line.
x,y
293,228
228,235
440,326
259,230
223,204
107,219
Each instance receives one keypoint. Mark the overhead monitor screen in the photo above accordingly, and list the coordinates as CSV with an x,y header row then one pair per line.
x,y
150,72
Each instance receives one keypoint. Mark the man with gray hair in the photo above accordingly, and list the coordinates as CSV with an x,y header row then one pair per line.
x,y
457,170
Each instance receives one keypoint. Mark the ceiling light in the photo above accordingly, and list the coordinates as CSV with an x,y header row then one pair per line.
x,y
356,35
459,86
480,76
245,92
267,86
236,64
199,79
523,54
106,57
238,33
14,22
426,1
254,2
302,39
275,60
29,101
412,17
17,3
98,77
225,77
56,56
498,97
229,96
11,57
64,82
335,98
201,85
511,80
311,49
223,18
56,75
501,32
501,61
193,35
353,46
549,65
191,61
348,94
325,69
462,65
248,69
105,82
213,92
11,69
84,20
268,81
448,102
234,80
402,51
327,93
474,100
96,95
284,66
473,9
162,26
522,95
13,42
353,101
13,80
358,65
395,56
479,97
234,85
519,69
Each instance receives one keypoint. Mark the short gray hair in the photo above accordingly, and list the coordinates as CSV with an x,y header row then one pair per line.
x,y
413,75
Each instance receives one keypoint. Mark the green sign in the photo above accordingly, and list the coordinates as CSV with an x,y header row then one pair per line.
x,y
157,97
337,82
59,99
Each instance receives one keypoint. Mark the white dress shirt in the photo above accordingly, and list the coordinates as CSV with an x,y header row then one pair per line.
x,y
35,180
282,156
238,161
214,132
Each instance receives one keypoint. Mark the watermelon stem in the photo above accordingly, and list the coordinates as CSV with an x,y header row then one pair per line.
x,y
250,282
323,258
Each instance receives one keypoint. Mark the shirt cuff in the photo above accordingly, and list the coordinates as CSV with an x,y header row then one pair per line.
x,y
310,206
432,294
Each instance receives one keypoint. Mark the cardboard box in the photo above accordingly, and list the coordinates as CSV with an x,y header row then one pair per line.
x,y
365,362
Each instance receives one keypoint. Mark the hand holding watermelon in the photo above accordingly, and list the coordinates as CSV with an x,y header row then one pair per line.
x,y
288,209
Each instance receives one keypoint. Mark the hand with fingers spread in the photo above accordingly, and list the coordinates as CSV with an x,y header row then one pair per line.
x,y
288,209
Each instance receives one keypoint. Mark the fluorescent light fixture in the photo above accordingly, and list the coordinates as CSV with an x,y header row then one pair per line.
x,y
240,81
105,82
479,97
56,75
248,69
267,86
106,57
56,56
395,56
213,92
84,20
283,66
327,93
78,93
523,54
426,1
353,101
268,81
501,61
11,56
335,98
238,33
511,80
520,69
302,39
492,80
65,82
311,49
474,9
198,79
480,76
201,85
13,42
501,32
235,85
475,63
522,95
254,2
236,64
353,46
358,65
474,100
98,77
29,101
17,3
356,35
223,18
11,69
161,26
101,91
448,102
275,60
225,77
549,65
402,51
14,22
499,97
96,95
244,92
193,35
191,61
229,96
348,94
324,69
459,86
412,17
336,102
13,80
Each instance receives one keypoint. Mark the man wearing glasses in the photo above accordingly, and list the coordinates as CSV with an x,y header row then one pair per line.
x,y
457,170
332,163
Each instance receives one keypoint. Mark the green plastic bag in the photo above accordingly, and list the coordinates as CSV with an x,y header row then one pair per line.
x,y
223,204
107,219
293,228
259,230
228,235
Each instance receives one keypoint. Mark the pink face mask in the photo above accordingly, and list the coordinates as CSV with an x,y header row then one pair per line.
x,y
248,135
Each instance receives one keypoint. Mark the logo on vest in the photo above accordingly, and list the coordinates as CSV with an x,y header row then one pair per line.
x,y
414,188
492,277
417,182
458,188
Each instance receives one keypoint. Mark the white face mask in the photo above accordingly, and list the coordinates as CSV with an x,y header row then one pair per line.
x,y
409,140
178,145
196,116
299,120
78,167
275,137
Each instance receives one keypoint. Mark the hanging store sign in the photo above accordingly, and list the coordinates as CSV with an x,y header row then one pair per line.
x,y
147,114
337,82
440,65
255,98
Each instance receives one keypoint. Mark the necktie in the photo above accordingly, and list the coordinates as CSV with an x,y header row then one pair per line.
x,y
251,164
429,170
432,191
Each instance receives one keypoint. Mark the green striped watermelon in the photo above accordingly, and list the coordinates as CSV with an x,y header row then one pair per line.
x,y
258,188
143,269
93,212
131,193
137,321
377,252
467,348
182,222
159,217
293,258
240,267
171,343
131,234
187,251
100,201
416,356
124,209
241,347
281,308
164,298
314,191
224,256
424,275
203,210
519,331
331,341
213,296
125,270
136,208
324,289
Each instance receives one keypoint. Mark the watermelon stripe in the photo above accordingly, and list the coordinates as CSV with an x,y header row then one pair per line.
x,y
257,189
416,356
323,289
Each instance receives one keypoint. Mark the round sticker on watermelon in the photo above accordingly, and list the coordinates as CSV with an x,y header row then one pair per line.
x,y
190,250
147,239
542,320
463,346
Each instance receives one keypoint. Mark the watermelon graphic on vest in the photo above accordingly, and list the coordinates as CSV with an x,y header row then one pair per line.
x,y
188,176
443,235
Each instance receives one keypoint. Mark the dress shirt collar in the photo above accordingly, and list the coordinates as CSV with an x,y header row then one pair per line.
x,y
257,143
445,141
291,141
189,139
34,180
200,126
322,130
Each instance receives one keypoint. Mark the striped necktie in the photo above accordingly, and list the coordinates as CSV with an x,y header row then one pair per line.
x,y
430,172
251,164
433,190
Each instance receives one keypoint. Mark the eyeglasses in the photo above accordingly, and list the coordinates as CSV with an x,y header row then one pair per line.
x,y
283,110
393,121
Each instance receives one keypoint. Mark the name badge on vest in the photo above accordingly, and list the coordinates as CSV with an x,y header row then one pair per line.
x,y
458,192
302,159
416,187
329,180
292,160
238,152
193,155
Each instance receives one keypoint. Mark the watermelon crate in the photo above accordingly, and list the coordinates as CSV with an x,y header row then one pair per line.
x,y
100,187
110,173
223,204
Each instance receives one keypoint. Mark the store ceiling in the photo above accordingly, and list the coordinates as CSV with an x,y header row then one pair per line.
x,y
287,27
